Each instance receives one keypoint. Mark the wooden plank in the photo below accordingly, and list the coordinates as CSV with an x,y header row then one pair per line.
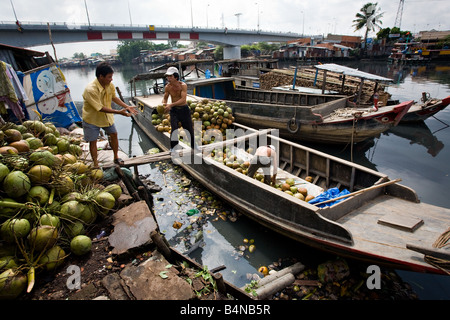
x,y
140,160
401,222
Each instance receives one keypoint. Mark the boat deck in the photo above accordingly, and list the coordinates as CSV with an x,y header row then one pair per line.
x,y
394,223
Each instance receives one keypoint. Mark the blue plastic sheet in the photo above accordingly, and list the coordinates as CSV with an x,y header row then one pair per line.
x,y
328,195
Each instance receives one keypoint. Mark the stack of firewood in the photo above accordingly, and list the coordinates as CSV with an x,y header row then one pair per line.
x,y
306,77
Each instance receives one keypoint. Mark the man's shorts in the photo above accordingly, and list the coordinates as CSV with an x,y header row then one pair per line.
x,y
91,132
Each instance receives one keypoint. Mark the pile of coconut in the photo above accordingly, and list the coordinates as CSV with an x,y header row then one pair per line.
x,y
48,197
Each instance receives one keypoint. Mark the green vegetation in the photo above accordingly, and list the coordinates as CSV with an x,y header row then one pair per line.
x,y
369,18
128,49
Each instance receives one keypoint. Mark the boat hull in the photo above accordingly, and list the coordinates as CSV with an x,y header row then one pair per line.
x,y
351,228
419,112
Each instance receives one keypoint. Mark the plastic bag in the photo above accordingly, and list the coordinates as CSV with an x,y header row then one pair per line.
x,y
328,195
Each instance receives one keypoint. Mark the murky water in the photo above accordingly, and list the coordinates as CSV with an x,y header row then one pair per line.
x,y
418,154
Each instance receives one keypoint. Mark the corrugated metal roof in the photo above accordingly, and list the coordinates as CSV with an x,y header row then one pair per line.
x,y
351,72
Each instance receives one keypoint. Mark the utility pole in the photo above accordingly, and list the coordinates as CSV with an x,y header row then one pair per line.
x,y
237,16
129,13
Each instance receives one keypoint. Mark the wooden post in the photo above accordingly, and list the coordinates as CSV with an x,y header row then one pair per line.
x,y
160,244
219,282
324,82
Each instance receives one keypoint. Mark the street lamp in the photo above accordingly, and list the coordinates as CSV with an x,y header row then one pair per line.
x,y
257,28
303,31
237,16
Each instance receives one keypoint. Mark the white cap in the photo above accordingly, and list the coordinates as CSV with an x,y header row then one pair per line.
x,y
171,71
271,147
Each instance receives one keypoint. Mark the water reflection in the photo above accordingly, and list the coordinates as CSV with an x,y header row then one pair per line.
x,y
419,133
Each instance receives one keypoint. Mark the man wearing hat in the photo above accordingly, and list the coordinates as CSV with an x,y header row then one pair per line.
x,y
178,108
265,157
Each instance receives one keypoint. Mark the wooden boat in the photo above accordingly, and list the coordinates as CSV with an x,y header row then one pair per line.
x,y
380,222
422,110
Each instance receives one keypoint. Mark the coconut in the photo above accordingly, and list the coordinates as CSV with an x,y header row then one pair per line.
x,y
16,184
44,157
300,196
8,150
39,195
71,196
105,201
80,245
63,145
285,186
96,174
21,146
12,135
49,220
65,185
4,171
43,237
75,150
88,215
69,159
37,127
309,197
78,167
34,143
7,262
75,229
290,181
15,228
114,189
40,174
54,207
8,212
27,135
303,191
72,209
49,139
12,284
53,258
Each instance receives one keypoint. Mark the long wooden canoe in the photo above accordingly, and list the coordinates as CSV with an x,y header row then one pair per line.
x,y
375,224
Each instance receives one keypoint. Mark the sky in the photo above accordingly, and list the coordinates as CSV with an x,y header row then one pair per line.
x,y
311,17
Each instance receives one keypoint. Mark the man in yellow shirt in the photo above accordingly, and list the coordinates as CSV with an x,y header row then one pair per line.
x,y
98,114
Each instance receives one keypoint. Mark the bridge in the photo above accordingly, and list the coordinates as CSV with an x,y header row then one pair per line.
x,y
36,34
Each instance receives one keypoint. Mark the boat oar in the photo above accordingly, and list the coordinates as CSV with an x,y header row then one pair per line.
x,y
384,184
436,253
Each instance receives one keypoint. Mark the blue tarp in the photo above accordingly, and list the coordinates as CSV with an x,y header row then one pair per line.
x,y
328,195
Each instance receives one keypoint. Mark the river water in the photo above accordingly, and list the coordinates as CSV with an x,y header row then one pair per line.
x,y
418,154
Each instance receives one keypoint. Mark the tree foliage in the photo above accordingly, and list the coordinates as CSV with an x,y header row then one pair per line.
x,y
369,17
130,49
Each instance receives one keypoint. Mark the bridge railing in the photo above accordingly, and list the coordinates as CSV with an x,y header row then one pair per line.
x,y
24,24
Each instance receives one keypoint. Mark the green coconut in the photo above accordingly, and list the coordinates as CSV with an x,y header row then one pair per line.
x,y
4,171
114,189
75,150
64,185
105,201
7,262
88,215
63,145
43,237
12,284
39,195
75,229
80,245
43,157
34,143
40,174
8,150
16,184
8,212
78,167
72,210
15,228
71,196
49,139
37,127
69,159
54,207
50,220
53,258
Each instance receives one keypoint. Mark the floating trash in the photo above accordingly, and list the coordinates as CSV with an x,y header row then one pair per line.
x,y
191,212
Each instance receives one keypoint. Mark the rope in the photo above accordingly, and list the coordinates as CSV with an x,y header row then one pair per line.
x,y
440,242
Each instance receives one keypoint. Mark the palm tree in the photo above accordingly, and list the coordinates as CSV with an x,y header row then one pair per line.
x,y
369,17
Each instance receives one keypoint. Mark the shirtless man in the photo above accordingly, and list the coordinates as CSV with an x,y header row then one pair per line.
x,y
178,109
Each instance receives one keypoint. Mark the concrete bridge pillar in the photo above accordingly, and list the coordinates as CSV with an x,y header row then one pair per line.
x,y
232,52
